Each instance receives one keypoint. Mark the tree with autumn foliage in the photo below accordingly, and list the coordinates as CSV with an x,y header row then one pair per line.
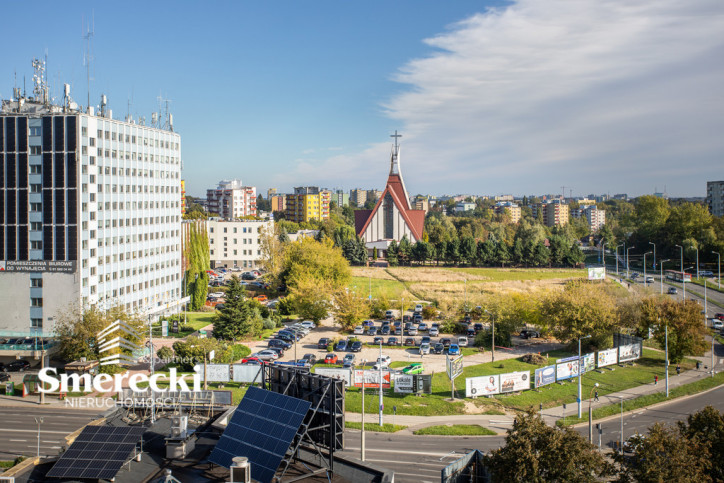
x,y
685,323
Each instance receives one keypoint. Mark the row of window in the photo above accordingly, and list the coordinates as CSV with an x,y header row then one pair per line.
x,y
130,139
127,155
141,303
244,252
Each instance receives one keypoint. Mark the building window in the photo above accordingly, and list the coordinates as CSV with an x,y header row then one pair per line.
x,y
36,323
36,245
389,217
35,169
35,130
36,301
36,282
35,150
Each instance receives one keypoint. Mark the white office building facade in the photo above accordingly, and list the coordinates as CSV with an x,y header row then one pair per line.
x,y
91,215
236,243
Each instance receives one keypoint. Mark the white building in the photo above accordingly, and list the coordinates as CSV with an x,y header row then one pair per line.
x,y
236,243
90,212
596,218
232,200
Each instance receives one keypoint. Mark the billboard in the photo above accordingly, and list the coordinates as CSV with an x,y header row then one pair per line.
x,y
404,383
567,369
588,362
336,373
629,352
597,273
545,375
57,266
454,366
515,381
249,373
214,372
482,386
371,379
607,357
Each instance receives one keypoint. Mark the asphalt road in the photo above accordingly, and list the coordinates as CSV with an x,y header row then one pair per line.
x,y
19,431
419,459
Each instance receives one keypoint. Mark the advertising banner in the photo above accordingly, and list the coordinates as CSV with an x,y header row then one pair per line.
x,y
607,357
247,373
568,369
454,366
423,383
404,383
214,372
515,381
545,375
39,266
336,373
371,379
597,273
588,362
629,352
482,386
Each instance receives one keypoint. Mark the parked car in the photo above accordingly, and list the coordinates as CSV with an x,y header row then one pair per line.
x,y
311,358
407,318
424,349
323,343
414,368
217,295
330,358
389,315
412,330
410,341
434,331
267,355
719,316
438,348
392,341
706,273
471,333
529,334
417,318
252,360
359,330
278,350
368,323
349,359
384,359
355,346
453,350
650,279
425,340
717,324
248,276
418,308
385,330
672,291
463,341
261,298
341,346
308,324
278,343
17,365
4,377
372,331
422,327
446,342
478,327
378,340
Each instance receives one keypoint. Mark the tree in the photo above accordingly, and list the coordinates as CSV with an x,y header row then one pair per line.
x,y
541,255
535,452
393,254
311,297
194,350
684,320
422,251
452,251
349,308
502,253
198,261
77,332
665,454
405,251
273,240
239,318
467,249
707,425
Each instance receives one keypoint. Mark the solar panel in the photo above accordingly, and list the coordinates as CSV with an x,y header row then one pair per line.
x,y
262,428
97,453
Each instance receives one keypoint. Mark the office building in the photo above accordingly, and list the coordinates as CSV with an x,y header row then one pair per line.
x,y
236,243
715,197
231,200
307,203
90,211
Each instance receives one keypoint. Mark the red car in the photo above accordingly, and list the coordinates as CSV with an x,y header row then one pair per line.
x,y
719,316
252,360
330,359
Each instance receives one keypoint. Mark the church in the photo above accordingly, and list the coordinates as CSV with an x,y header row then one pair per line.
x,y
392,217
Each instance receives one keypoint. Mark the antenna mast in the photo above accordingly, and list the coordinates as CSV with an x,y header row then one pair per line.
x,y
88,57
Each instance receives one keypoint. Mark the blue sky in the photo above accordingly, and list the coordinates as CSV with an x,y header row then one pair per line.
x,y
491,97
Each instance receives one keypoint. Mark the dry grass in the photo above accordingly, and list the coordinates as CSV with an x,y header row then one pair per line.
x,y
374,272
429,274
434,291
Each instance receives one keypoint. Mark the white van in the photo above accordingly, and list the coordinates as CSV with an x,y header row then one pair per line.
x,y
463,341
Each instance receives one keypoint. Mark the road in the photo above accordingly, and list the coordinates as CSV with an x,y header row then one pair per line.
x,y
418,459
19,433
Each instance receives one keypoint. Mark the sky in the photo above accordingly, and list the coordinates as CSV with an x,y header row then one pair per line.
x,y
490,97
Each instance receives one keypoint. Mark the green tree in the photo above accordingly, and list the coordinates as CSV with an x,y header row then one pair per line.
x,y
535,452
467,249
541,255
452,251
355,251
405,251
707,426
194,350
349,308
665,454
196,256
239,318
393,252
685,323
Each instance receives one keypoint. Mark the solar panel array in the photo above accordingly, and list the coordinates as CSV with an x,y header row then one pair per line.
x,y
97,453
261,429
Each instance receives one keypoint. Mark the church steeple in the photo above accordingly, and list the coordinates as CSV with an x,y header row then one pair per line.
x,y
395,157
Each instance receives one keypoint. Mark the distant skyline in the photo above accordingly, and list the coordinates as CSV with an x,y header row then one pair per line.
x,y
493,97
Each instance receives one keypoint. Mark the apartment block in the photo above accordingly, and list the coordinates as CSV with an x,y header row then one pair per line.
x,y
511,209
236,243
715,197
307,203
231,200
358,197
596,218
551,213
278,202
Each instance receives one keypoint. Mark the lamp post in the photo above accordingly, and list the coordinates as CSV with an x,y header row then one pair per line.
x,y
579,372
666,355
603,253
621,448
617,247
661,276
681,268
628,265
645,283
697,262
590,414
362,443
492,341
653,265
381,402
39,420
719,274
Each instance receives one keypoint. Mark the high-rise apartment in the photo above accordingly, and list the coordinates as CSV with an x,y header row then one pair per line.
x,y
307,203
715,197
232,200
90,212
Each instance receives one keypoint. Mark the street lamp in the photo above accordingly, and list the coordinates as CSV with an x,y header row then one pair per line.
x,y
628,265
492,343
645,283
682,257
653,265
590,414
617,247
719,275
579,371
362,442
39,421
380,364
621,448
603,253
661,276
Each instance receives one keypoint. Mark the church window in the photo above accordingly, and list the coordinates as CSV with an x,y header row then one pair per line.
x,y
389,217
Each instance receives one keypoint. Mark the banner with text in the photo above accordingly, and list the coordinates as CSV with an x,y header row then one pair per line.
x,y
545,375
404,383
515,381
607,357
482,386
371,379
336,373
247,373
567,368
629,352
588,362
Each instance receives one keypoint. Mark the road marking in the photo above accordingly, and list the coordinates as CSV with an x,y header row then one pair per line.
x,y
414,463
19,440
369,450
35,431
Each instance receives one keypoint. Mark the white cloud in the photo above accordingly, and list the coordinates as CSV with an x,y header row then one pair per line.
x,y
605,96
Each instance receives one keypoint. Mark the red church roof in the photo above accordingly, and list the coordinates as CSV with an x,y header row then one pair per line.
x,y
415,219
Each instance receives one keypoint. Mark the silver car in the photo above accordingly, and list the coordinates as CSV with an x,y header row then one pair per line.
x,y
424,349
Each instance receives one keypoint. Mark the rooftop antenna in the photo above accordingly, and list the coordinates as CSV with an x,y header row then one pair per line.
x,y
40,86
563,193
570,192
164,118
88,57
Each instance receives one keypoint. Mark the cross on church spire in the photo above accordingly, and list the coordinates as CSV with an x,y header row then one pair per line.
x,y
394,159
395,136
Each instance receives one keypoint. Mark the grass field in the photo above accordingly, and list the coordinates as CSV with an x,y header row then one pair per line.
x,y
385,428
457,430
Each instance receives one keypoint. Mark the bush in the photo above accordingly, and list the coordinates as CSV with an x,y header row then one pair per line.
x,y
239,351
186,328
269,324
285,306
378,307
429,312
165,353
